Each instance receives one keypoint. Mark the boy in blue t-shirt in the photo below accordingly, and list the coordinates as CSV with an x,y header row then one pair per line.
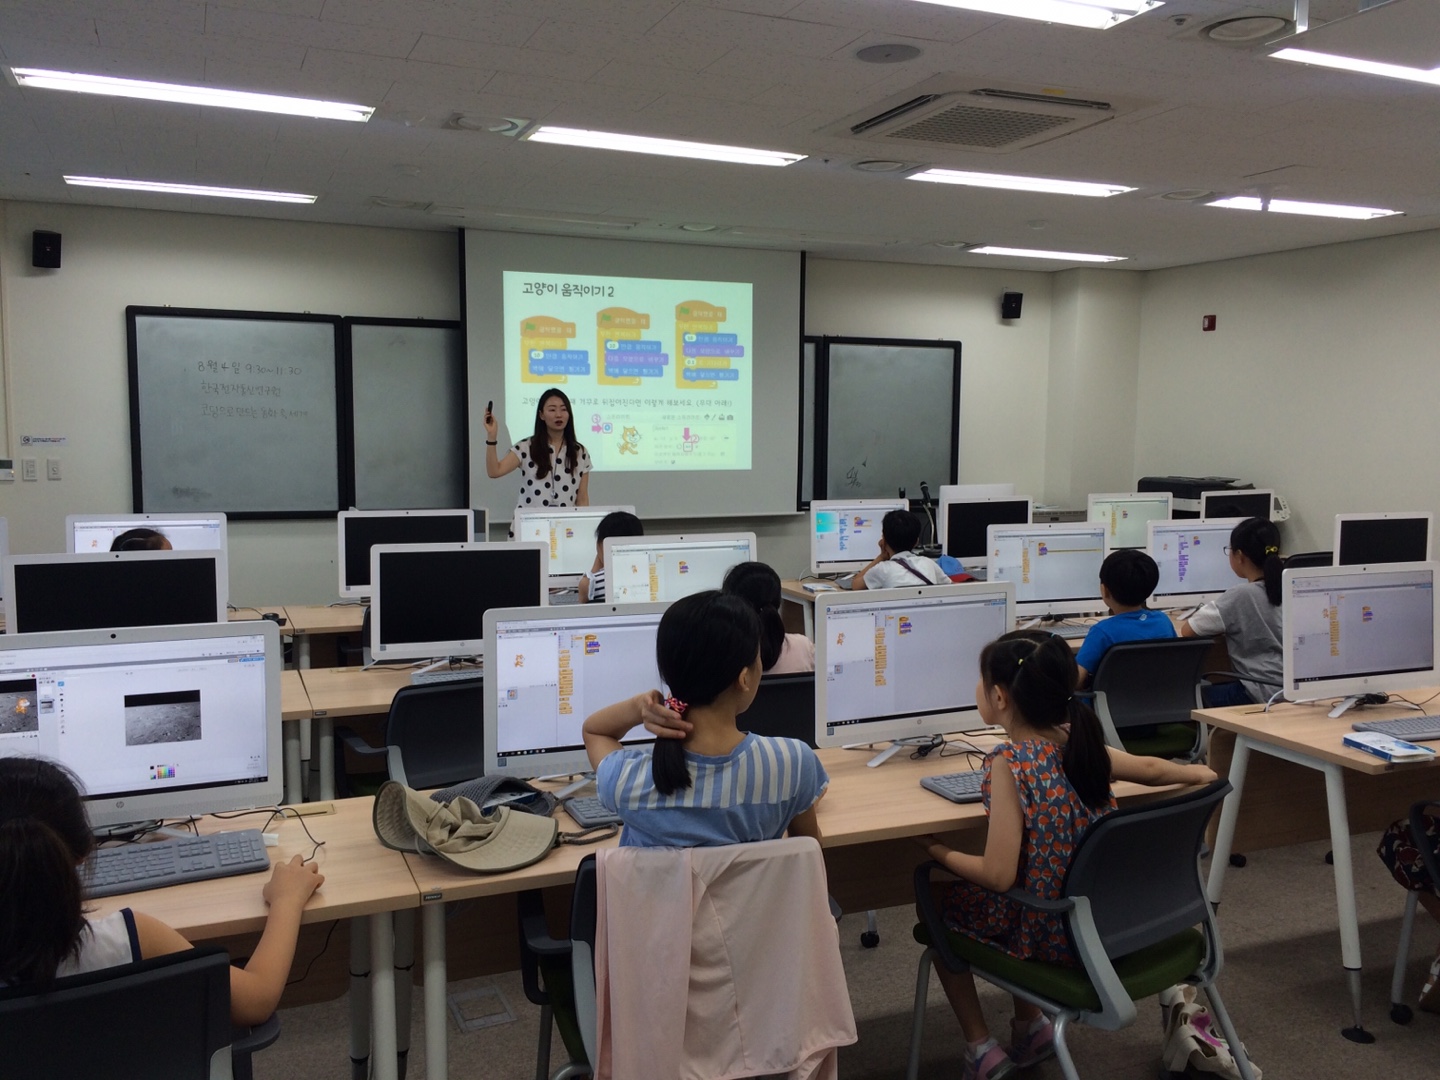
x,y
1127,578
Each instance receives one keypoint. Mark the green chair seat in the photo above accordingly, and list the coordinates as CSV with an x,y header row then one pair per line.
x,y
1143,973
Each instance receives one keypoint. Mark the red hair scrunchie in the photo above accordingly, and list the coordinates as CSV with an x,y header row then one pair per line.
x,y
676,705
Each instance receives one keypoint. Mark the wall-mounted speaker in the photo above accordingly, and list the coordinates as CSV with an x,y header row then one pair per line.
x,y
45,250
1009,304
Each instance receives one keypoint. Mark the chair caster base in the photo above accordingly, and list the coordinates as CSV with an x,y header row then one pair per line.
x,y
1237,860
1357,1034
1400,1013
869,939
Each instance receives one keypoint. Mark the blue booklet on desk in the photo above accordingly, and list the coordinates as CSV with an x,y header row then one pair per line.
x,y
1387,746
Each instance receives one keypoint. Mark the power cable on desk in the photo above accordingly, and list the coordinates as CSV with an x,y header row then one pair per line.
x,y
274,812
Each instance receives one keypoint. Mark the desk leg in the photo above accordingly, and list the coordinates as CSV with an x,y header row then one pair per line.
x,y
432,922
360,998
302,650
1345,893
1229,814
322,758
382,997
404,981
290,736
809,610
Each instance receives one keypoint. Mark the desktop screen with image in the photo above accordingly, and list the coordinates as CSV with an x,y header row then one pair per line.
x,y
901,663
1126,516
156,722
1055,567
1353,629
550,670
845,534
653,569
1192,558
186,532
569,533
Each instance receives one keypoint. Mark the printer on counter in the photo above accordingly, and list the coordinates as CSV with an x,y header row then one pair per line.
x,y
1217,497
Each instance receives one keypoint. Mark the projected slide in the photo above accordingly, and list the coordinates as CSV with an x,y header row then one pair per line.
x,y
659,372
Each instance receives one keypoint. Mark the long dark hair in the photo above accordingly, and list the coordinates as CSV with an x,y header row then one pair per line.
x,y
1259,541
1039,673
704,641
138,539
759,586
43,837
540,440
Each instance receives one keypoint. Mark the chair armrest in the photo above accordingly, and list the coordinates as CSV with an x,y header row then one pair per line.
x,y
935,922
1428,855
356,744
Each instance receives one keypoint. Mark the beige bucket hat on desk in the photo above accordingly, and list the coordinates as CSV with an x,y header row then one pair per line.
x,y
459,831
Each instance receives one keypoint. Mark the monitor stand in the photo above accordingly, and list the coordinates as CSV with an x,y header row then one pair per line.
x,y
1357,701
895,747
125,830
457,662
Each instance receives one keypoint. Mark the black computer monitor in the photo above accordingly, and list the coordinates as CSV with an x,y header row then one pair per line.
x,y
430,599
784,708
114,588
963,524
1367,539
360,530
1237,504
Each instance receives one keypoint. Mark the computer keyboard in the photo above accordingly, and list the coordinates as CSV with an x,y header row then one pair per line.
x,y
1411,728
430,678
960,787
153,864
588,813
1067,630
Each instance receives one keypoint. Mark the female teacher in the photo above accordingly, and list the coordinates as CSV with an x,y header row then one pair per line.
x,y
554,464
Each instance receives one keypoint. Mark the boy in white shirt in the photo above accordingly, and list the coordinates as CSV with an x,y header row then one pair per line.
x,y
897,565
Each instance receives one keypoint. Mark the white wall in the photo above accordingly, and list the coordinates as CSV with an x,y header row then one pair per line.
x,y
66,354
1321,379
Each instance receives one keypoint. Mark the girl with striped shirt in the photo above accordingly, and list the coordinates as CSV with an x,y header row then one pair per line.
x,y
717,785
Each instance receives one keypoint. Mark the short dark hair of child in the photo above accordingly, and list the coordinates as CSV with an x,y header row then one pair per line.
x,y
618,523
141,539
1131,576
901,530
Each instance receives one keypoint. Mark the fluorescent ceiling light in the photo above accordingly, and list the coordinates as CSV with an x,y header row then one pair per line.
x,y
189,189
1019,183
1031,253
1094,14
1364,67
190,95
1313,209
643,144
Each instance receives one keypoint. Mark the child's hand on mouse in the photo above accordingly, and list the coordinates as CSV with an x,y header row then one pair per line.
x,y
293,882
662,722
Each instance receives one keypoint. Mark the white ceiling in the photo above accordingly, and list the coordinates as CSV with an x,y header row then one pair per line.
x,y
1190,114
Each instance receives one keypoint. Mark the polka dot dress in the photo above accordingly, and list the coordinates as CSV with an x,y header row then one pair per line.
x,y
560,488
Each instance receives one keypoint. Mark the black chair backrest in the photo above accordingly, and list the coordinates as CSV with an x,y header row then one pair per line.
x,y
1140,869
440,732
159,1019
1151,682
1309,558
583,903
784,707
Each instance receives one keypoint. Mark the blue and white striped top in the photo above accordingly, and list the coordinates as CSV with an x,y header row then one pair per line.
x,y
752,793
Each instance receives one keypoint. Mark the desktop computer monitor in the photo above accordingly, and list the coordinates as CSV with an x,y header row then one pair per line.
x,y
845,533
1244,503
1352,630
551,668
429,600
115,588
360,530
661,569
1366,539
1055,567
480,524
963,525
1194,566
903,663
569,533
1126,515
186,532
157,722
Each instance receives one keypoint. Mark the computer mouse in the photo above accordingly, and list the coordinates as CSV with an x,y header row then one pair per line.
x,y
273,616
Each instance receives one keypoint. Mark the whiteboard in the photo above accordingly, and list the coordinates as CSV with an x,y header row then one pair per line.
x,y
234,411
410,444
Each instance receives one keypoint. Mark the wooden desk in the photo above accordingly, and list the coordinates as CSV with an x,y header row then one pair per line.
x,y
309,621
347,691
363,880
1297,741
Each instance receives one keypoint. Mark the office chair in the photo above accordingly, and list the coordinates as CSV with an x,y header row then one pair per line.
x,y
434,737
546,975
1304,559
1144,692
1430,859
167,1018
1134,906
358,653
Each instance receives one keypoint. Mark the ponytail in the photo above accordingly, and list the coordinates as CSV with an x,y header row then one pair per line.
x,y
43,837
1259,541
1038,671
759,585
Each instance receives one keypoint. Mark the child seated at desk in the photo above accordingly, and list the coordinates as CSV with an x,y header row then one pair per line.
x,y
44,932
615,523
1127,578
897,565
759,586
719,785
1248,615
1042,790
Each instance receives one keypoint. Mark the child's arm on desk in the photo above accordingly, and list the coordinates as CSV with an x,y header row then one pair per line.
x,y
1153,771
998,868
